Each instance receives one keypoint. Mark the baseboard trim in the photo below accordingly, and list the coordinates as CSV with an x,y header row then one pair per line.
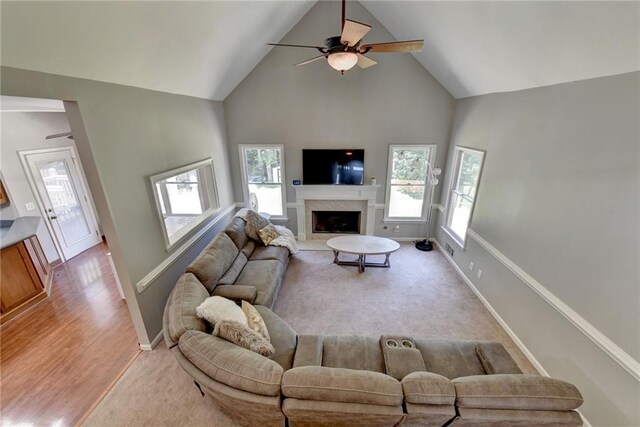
x,y
625,360
168,262
493,312
536,364
405,239
154,343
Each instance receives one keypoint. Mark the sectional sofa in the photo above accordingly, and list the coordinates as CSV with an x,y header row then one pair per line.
x,y
317,380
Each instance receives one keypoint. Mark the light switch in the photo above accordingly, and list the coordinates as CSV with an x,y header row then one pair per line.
x,y
471,266
30,206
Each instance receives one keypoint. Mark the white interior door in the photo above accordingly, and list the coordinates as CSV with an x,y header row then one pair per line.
x,y
64,199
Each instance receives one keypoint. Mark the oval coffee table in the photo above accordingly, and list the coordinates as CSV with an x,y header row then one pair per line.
x,y
363,246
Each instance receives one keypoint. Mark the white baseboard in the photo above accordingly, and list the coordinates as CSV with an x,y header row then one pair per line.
x,y
149,347
601,340
536,364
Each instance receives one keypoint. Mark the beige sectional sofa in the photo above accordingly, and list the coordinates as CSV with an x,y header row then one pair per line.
x,y
317,380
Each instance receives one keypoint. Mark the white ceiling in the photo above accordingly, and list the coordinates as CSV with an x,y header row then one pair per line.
x,y
206,49
17,104
202,49
479,47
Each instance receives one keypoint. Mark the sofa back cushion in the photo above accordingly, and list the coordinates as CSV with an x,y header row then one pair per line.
x,y
450,358
214,261
235,230
230,364
230,276
186,296
352,352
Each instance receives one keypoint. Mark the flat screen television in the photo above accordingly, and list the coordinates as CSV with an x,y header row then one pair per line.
x,y
339,167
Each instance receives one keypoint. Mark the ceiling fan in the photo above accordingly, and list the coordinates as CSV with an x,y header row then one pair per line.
x,y
345,51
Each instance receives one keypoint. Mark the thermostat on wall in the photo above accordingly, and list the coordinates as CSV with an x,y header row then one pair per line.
x,y
296,182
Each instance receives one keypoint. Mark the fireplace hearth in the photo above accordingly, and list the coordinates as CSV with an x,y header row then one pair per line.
x,y
342,222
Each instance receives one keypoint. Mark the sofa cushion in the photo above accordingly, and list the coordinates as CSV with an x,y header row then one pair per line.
x,y
255,222
308,351
265,276
517,391
214,261
283,337
352,352
427,388
186,296
495,360
230,364
235,231
341,385
236,293
277,253
248,248
450,358
230,276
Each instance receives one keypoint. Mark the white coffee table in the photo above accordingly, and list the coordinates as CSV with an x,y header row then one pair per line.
x,y
363,246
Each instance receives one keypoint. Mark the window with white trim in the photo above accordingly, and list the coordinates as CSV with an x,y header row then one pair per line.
x,y
467,166
408,192
263,178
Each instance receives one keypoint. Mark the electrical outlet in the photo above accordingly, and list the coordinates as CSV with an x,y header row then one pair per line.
x,y
448,248
471,266
396,228
30,206
479,274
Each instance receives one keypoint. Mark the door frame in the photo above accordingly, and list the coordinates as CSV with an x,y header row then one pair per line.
x,y
34,189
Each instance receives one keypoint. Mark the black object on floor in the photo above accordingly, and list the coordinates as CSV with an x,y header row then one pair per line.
x,y
424,245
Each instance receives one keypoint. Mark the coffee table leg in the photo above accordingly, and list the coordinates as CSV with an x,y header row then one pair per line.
x,y
387,263
361,263
335,257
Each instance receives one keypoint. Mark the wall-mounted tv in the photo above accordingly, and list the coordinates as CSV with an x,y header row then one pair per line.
x,y
340,167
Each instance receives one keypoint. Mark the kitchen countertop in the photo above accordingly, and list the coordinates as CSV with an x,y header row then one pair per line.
x,y
21,229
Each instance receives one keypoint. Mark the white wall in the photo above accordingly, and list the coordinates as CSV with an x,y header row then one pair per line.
x,y
313,106
26,131
560,198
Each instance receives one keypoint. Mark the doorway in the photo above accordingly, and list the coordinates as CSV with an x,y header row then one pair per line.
x,y
63,199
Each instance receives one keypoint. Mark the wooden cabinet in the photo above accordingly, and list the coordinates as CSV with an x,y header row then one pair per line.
x,y
21,285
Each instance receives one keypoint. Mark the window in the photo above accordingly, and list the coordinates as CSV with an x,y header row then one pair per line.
x,y
185,197
263,179
467,165
407,189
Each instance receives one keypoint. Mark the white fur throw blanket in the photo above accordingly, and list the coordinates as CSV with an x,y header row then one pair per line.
x,y
286,239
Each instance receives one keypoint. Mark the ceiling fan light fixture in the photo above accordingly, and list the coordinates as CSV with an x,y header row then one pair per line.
x,y
342,61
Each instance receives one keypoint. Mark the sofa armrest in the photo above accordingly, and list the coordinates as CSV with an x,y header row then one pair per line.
x,y
326,384
231,364
236,292
516,391
308,351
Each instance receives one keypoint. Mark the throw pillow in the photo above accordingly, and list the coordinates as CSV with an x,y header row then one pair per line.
x,y
255,222
267,234
256,322
241,335
216,309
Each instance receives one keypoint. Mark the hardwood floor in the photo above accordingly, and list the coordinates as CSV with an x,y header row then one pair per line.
x,y
60,356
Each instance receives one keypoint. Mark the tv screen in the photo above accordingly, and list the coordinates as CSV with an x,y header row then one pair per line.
x,y
345,167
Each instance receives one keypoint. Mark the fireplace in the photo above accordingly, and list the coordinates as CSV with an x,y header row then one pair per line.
x,y
340,222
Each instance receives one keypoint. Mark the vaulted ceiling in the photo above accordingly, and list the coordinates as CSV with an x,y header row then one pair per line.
x,y
206,49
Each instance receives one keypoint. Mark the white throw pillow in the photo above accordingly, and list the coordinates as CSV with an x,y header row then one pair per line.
x,y
216,309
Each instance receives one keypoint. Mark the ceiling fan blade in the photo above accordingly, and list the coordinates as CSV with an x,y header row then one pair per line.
x,y
364,62
297,45
308,61
405,46
353,32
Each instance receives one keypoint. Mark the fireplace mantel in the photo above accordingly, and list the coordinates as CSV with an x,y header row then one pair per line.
x,y
335,192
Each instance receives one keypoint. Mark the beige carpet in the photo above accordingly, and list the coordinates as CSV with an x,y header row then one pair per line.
x,y
420,295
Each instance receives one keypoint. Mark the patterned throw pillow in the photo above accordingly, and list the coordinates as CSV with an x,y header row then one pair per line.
x,y
267,234
255,222
256,322
241,335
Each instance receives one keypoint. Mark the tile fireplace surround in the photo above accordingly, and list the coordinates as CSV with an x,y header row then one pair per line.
x,y
360,198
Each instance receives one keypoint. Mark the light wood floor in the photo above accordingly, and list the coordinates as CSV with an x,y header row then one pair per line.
x,y
59,357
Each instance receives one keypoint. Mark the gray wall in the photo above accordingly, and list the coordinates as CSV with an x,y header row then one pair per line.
x,y
26,131
131,134
394,102
559,197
